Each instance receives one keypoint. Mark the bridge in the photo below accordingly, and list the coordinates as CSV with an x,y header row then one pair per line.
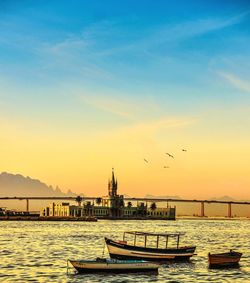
x,y
202,202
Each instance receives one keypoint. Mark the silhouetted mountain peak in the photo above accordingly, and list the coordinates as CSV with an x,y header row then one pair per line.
x,y
18,185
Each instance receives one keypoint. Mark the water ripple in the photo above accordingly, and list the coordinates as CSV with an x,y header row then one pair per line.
x,y
37,252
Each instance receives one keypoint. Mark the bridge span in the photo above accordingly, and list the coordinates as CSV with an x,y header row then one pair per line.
x,y
82,198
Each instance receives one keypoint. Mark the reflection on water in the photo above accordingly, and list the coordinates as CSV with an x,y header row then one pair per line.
x,y
38,251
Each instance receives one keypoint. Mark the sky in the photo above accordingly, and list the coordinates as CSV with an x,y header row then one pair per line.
x,y
87,86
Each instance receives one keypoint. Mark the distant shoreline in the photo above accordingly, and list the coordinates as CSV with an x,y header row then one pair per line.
x,y
39,218
211,218
93,219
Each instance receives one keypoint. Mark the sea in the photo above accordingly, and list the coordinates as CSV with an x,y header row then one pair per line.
x,y
38,251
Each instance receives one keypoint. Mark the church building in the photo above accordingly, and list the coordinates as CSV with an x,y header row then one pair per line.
x,y
111,206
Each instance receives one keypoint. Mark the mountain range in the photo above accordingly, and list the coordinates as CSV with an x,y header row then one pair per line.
x,y
17,185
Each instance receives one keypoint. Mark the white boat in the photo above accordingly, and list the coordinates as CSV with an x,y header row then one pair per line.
x,y
122,250
113,266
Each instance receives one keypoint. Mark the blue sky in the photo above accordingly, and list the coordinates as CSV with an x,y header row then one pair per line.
x,y
123,44
68,68
187,53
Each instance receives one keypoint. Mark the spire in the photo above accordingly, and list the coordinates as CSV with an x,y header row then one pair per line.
x,y
112,185
113,176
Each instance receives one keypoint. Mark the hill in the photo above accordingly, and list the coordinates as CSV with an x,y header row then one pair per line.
x,y
17,185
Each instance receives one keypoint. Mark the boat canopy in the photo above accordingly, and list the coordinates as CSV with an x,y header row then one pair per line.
x,y
157,235
137,233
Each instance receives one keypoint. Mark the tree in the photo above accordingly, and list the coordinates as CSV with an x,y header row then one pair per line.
x,y
129,204
98,201
79,200
141,209
153,206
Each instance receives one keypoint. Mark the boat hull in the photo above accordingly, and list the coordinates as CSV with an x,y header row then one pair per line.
x,y
230,259
122,251
114,266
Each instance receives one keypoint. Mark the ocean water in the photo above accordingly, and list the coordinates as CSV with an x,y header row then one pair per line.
x,y
38,251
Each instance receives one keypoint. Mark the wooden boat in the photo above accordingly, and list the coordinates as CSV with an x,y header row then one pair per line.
x,y
123,250
101,265
230,259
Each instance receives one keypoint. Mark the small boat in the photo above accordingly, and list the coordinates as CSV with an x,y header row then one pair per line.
x,y
101,265
122,250
230,259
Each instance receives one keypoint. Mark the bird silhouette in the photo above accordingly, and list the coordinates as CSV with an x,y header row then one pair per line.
x,y
184,150
166,167
145,160
170,155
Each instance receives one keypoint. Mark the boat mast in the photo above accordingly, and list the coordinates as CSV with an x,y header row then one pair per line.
x,y
145,241
166,242
178,240
135,240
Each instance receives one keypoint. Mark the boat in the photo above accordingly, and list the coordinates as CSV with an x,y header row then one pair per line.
x,y
102,265
122,250
229,259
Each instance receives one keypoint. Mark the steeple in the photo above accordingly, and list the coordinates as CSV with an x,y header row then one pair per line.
x,y
112,186
113,176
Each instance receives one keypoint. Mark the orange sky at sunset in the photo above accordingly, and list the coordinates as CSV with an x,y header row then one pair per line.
x,y
89,87
215,164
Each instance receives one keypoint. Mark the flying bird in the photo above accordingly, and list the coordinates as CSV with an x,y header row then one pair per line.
x,y
184,150
145,160
170,155
166,167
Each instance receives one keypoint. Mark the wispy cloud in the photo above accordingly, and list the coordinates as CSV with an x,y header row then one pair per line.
x,y
84,41
235,81
108,105
160,124
172,33
94,71
87,41
85,52
145,133
119,104
144,119
69,44
203,26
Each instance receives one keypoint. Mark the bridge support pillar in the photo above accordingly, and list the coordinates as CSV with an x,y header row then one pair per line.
x,y
27,205
229,210
202,209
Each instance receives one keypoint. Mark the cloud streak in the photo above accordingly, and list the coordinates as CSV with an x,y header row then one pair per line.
x,y
172,33
132,109
203,26
144,119
106,104
146,133
235,81
160,124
